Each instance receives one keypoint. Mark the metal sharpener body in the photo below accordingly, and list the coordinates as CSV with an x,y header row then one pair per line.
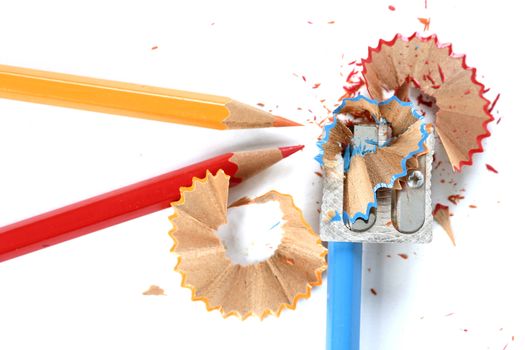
x,y
401,216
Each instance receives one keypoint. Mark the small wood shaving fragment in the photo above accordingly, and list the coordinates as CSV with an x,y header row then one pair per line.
x,y
154,290
425,22
442,216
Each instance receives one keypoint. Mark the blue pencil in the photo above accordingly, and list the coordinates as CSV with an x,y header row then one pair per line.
x,y
344,295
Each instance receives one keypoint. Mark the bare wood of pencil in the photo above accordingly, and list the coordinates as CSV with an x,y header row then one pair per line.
x,y
133,100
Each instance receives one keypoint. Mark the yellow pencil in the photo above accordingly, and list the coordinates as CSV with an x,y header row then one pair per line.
x,y
132,100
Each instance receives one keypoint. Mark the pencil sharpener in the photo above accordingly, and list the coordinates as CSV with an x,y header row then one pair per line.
x,y
402,214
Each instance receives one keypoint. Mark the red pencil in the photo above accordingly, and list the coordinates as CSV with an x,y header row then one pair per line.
x,y
128,202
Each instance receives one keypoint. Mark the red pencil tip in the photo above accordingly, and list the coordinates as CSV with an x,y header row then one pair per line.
x,y
280,121
289,150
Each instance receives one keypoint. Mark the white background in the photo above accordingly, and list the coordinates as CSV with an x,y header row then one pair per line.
x,y
87,293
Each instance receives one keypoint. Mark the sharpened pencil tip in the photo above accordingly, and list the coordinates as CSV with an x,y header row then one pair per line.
x,y
289,150
280,121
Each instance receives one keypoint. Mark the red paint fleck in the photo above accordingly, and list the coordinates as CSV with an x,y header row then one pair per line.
x,y
505,346
373,291
415,82
403,256
331,22
351,75
491,168
441,74
316,85
318,174
493,104
465,330
422,101
155,47
391,8
389,223
466,92
425,3
354,81
425,22
310,22
260,104
352,89
304,78
455,198
429,77
473,206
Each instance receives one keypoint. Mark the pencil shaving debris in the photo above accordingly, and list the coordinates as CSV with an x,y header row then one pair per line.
x,y
491,168
259,289
442,217
433,68
154,290
455,198
425,22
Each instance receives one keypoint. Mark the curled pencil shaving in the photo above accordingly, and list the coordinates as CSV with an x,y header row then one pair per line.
x,y
258,289
386,165
442,217
338,137
463,115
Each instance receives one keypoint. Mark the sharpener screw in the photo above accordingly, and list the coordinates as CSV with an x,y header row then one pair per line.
x,y
415,179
